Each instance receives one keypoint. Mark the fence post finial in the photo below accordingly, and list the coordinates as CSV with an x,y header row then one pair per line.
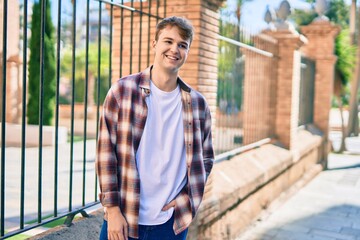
x,y
270,17
282,14
321,7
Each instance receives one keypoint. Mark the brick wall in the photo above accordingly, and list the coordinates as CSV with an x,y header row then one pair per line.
x,y
272,88
13,76
259,90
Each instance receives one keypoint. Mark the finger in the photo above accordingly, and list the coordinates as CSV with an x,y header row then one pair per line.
x,y
120,236
126,232
113,236
165,208
168,206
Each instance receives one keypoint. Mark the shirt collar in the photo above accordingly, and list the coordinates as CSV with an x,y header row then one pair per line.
x,y
145,81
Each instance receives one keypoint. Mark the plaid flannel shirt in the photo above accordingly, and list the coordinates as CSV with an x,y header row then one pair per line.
x,y
121,127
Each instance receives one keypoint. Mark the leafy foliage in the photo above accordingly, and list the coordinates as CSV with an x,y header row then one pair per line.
x,y
346,54
230,59
339,13
80,68
231,71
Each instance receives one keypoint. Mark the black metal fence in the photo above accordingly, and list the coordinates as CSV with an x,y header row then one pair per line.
x,y
47,172
307,90
230,92
238,50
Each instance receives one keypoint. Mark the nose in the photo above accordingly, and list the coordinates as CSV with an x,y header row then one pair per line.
x,y
174,47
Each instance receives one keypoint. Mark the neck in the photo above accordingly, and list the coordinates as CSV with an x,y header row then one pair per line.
x,y
165,81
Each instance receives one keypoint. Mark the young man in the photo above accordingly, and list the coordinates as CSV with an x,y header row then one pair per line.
x,y
154,149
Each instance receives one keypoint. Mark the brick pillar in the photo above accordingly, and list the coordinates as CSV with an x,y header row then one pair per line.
x,y
321,36
259,88
288,84
12,51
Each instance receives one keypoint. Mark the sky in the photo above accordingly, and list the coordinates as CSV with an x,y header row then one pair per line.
x,y
253,12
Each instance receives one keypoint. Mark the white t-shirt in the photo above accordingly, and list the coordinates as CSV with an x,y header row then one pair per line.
x,y
160,158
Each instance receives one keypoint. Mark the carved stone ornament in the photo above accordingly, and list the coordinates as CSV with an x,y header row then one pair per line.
x,y
270,17
321,7
282,13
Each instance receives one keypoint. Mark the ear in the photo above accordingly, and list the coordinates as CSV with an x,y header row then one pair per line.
x,y
154,43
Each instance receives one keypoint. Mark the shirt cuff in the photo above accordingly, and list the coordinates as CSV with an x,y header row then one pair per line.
x,y
110,199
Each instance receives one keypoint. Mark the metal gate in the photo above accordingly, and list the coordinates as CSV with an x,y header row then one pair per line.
x,y
307,89
47,172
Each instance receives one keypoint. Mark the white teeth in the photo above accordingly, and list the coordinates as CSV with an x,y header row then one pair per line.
x,y
173,58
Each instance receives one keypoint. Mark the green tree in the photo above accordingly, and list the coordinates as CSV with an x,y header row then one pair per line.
x,y
34,67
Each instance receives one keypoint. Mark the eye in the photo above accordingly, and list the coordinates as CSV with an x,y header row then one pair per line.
x,y
168,42
184,46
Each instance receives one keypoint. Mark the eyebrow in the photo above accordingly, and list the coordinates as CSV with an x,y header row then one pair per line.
x,y
182,42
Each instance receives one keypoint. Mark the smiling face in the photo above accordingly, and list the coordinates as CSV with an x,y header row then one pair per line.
x,y
171,50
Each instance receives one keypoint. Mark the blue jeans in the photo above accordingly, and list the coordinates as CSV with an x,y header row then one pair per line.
x,y
157,232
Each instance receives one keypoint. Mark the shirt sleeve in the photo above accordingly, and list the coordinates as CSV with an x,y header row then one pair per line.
x,y
107,166
208,152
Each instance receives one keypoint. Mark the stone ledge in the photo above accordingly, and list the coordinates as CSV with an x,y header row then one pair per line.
x,y
305,142
248,183
81,229
234,180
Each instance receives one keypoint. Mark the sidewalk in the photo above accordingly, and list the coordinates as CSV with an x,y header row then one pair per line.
x,y
328,208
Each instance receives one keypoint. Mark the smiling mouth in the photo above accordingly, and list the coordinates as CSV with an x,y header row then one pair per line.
x,y
172,57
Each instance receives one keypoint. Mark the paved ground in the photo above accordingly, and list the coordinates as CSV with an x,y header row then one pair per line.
x,y
13,181
328,208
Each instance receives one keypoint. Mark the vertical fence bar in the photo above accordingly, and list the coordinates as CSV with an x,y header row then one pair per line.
x,y
149,28
157,10
56,157
121,37
164,8
72,106
41,105
3,111
23,118
86,98
99,74
131,34
140,35
111,38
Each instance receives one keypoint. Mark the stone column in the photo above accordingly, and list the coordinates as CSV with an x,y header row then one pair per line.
x,y
321,35
288,84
